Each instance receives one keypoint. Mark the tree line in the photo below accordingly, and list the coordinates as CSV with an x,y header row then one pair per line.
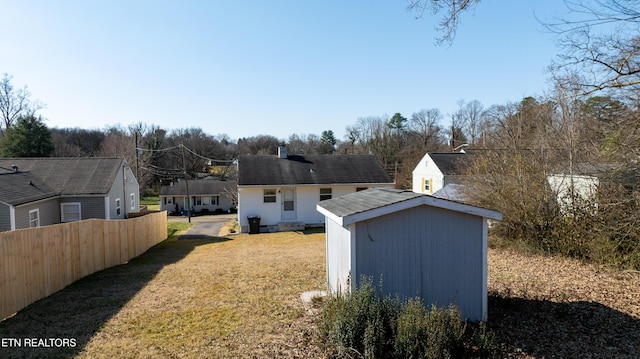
x,y
587,126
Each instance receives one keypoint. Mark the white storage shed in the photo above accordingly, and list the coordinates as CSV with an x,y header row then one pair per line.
x,y
420,245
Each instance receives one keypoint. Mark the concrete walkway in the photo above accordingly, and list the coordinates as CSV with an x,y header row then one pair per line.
x,y
205,227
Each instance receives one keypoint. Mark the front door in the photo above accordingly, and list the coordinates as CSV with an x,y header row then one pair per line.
x,y
288,203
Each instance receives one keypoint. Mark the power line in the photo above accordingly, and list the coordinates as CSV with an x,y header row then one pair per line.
x,y
139,149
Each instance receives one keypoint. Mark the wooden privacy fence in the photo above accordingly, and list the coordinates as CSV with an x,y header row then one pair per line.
x,y
38,262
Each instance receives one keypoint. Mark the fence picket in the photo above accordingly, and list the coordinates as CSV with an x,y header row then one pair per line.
x,y
37,262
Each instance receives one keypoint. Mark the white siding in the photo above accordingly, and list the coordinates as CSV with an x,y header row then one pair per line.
x,y
338,257
584,188
251,203
425,171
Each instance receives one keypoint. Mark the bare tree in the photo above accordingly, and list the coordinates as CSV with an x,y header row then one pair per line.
x,y
470,115
14,103
424,126
452,9
600,42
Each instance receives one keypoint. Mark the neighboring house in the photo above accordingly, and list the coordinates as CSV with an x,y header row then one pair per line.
x,y
441,174
207,195
415,244
42,191
283,190
582,182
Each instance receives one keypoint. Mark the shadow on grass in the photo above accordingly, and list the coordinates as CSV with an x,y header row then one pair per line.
x,y
545,329
78,311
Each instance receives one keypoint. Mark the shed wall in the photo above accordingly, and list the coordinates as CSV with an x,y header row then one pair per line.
x,y
425,251
338,257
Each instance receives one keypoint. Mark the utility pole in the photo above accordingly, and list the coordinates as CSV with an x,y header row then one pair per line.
x,y
137,158
186,182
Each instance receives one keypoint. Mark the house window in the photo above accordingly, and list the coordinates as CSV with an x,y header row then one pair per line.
x,y
34,218
197,200
133,201
427,185
168,200
269,196
325,193
118,207
70,212
209,200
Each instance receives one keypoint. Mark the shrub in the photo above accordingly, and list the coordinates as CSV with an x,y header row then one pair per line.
x,y
366,324
433,334
359,323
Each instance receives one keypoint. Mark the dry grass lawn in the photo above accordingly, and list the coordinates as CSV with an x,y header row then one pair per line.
x,y
223,298
239,297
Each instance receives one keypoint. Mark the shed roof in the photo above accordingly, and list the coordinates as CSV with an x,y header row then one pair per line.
x,y
376,202
69,175
198,187
257,170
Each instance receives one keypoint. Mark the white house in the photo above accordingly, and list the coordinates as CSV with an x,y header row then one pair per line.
x,y
418,245
207,196
440,174
582,182
283,190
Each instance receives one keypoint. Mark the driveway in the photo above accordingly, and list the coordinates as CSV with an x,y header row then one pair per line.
x,y
205,227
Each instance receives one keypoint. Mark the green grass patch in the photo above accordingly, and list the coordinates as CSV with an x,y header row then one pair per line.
x,y
152,203
174,229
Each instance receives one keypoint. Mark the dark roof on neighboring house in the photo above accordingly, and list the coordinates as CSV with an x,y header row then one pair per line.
x,y
256,170
452,163
198,187
17,188
69,175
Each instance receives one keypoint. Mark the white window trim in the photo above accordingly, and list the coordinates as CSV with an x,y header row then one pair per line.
x,y
62,205
133,201
37,211
118,205
270,195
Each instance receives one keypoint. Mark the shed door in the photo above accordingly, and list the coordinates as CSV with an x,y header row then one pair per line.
x,y
288,203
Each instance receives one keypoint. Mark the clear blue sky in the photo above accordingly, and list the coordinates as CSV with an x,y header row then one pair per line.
x,y
251,67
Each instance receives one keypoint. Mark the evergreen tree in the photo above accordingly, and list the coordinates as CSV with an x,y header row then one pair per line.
x,y
29,137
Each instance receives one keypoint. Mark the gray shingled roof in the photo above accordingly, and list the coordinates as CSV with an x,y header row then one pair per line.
x,y
198,187
255,170
374,202
452,163
69,175
17,188
366,200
